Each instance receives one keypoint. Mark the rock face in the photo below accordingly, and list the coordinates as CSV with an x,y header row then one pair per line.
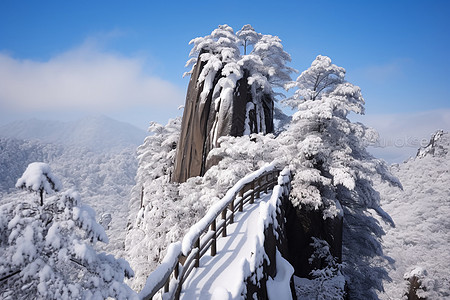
x,y
301,225
204,121
190,147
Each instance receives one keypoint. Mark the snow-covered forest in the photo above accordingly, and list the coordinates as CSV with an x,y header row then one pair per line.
x,y
418,243
61,193
85,155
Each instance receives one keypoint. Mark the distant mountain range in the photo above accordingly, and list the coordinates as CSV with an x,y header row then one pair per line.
x,y
98,133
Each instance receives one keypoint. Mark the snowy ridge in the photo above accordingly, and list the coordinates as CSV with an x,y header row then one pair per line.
x,y
434,147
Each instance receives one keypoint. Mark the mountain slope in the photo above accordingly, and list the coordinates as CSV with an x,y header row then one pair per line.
x,y
420,239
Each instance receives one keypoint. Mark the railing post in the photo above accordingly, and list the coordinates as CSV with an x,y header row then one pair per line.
x,y
214,239
272,179
224,218
252,196
197,255
232,211
241,200
176,271
166,286
266,183
258,192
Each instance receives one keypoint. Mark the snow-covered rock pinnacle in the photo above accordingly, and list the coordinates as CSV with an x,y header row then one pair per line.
x,y
438,146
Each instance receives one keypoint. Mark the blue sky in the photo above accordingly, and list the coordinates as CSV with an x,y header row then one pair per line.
x,y
125,59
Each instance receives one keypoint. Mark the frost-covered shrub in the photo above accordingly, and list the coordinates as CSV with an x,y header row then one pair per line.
x,y
327,280
160,211
46,251
239,156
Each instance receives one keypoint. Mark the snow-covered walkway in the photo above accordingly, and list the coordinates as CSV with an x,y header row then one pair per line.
x,y
217,274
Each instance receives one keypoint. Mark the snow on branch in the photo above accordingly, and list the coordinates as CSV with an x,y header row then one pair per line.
x,y
38,176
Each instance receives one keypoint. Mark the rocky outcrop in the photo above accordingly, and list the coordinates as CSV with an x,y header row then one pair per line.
x,y
438,145
205,121
190,147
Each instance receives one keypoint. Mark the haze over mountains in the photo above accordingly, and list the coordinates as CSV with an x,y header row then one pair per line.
x,y
97,133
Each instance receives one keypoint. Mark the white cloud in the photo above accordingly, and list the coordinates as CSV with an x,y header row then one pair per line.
x,y
402,134
86,79
382,73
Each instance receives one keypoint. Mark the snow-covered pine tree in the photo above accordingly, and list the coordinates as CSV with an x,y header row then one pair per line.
x,y
156,159
247,37
266,68
153,202
317,81
333,171
46,251
327,283
16,155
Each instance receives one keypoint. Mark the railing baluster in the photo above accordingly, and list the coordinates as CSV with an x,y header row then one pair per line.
x,y
197,255
176,271
214,239
266,183
241,200
232,211
224,218
258,192
166,286
252,196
